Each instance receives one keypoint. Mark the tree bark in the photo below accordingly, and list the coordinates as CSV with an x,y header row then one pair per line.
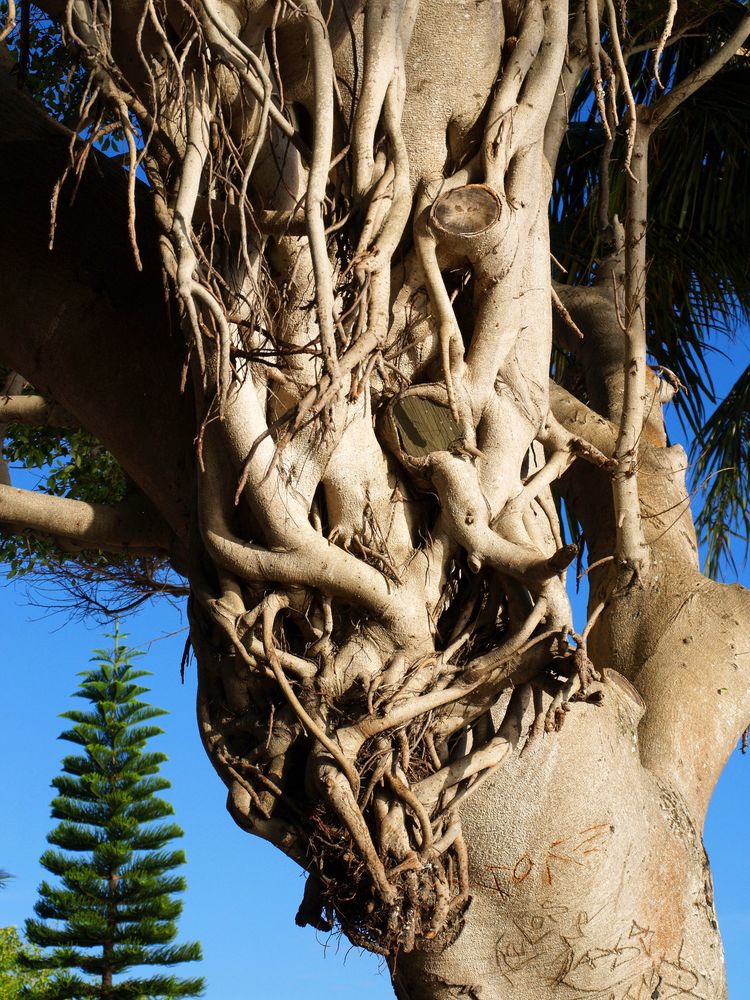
x,y
356,475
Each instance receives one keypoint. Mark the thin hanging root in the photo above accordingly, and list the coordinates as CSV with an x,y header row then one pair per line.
x,y
53,207
555,715
237,54
546,504
462,857
592,621
311,404
216,739
132,168
413,912
381,43
429,743
448,329
87,102
323,117
622,72
224,367
611,79
499,142
593,40
270,611
558,304
409,799
168,50
445,336
243,783
538,726
378,196
442,901
383,765
668,25
340,796
460,771
263,125
197,341
398,215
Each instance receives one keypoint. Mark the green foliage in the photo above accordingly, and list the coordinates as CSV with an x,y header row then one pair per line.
x,y
722,472
70,463
15,978
75,464
113,905
48,69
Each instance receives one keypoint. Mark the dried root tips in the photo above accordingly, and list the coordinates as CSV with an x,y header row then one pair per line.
x,y
370,807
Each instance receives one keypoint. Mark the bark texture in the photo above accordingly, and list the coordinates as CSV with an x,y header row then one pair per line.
x,y
341,430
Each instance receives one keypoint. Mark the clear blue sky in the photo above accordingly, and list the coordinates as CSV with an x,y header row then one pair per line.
x,y
242,893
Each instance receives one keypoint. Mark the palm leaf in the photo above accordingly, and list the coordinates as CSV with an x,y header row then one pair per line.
x,y
698,291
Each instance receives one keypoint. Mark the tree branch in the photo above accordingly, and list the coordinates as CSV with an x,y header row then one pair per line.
x,y
79,322
34,410
126,527
672,100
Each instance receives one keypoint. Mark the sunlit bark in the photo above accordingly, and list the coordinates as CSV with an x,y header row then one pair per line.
x,y
347,441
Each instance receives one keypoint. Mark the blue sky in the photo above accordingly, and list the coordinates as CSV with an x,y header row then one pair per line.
x,y
242,893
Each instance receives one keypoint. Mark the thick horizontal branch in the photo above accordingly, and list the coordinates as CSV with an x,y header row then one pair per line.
x,y
80,323
125,527
34,410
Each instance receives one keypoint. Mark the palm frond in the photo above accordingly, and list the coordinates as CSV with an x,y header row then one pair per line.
x,y
722,467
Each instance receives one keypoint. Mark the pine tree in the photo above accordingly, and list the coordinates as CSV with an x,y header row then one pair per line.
x,y
115,906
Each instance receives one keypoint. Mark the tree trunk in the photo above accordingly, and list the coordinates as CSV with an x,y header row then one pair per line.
x,y
589,877
355,473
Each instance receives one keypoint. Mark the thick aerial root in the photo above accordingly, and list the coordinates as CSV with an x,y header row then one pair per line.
x,y
593,41
382,43
380,834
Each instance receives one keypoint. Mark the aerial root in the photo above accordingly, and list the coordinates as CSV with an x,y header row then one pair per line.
x,y
593,41
383,837
576,679
624,79
382,41
567,318
668,25
449,333
611,70
369,542
395,897
323,121
10,21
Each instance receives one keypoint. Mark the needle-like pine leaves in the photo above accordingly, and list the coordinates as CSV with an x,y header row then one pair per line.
x,y
113,906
